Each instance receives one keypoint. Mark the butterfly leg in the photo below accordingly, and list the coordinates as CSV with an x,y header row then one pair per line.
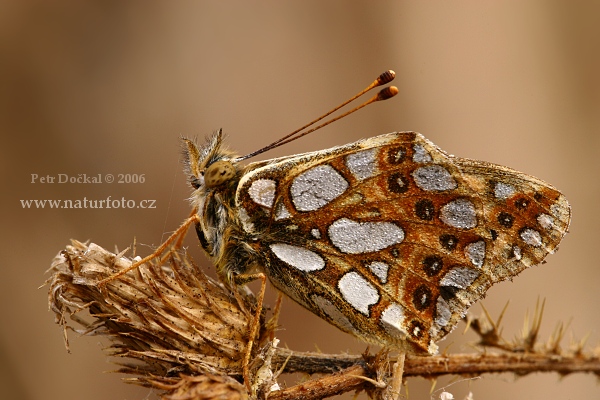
x,y
393,392
272,323
255,323
176,237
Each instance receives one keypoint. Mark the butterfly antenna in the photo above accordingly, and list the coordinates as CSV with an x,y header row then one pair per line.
x,y
384,94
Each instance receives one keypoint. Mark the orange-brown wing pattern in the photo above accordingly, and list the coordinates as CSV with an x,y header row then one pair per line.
x,y
390,238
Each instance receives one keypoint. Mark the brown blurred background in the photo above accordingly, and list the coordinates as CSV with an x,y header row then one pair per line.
x,y
108,87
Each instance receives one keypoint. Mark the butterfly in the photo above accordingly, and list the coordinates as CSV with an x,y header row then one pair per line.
x,y
389,238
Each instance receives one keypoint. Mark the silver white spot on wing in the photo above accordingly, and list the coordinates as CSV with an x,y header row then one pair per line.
x,y
421,155
362,164
475,252
335,315
517,253
434,178
556,210
281,212
442,312
531,237
262,192
357,291
298,257
363,237
432,348
545,221
316,187
392,319
380,270
459,213
315,233
503,190
459,277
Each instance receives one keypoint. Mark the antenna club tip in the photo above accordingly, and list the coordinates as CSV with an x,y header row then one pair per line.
x,y
387,93
386,77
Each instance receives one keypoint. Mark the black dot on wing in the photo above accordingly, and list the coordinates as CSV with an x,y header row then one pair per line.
x,y
396,155
448,241
538,196
397,183
506,220
448,292
432,265
424,209
422,298
416,329
494,234
521,203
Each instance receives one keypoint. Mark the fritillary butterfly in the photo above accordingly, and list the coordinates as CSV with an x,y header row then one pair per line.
x,y
389,238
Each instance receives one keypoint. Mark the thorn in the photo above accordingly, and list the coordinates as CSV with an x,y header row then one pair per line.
x,y
433,385
488,316
468,324
579,346
557,337
499,321
445,352
532,334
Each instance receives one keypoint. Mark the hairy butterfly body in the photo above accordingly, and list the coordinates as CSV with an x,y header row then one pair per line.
x,y
388,238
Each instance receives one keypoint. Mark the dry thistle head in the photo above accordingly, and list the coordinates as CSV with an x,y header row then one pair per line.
x,y
172,320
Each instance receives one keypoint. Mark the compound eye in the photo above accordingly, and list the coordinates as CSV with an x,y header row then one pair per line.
x,y
196,182
218,173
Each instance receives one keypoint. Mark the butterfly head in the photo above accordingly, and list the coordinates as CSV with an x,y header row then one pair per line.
x,y
213,173
210,166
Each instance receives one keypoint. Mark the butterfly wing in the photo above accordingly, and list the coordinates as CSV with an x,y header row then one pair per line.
x,y
390,238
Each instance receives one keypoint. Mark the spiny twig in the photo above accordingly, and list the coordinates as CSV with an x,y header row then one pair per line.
x,y
453,364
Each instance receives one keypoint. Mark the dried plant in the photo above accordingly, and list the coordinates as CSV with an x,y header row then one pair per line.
x,y
175,329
